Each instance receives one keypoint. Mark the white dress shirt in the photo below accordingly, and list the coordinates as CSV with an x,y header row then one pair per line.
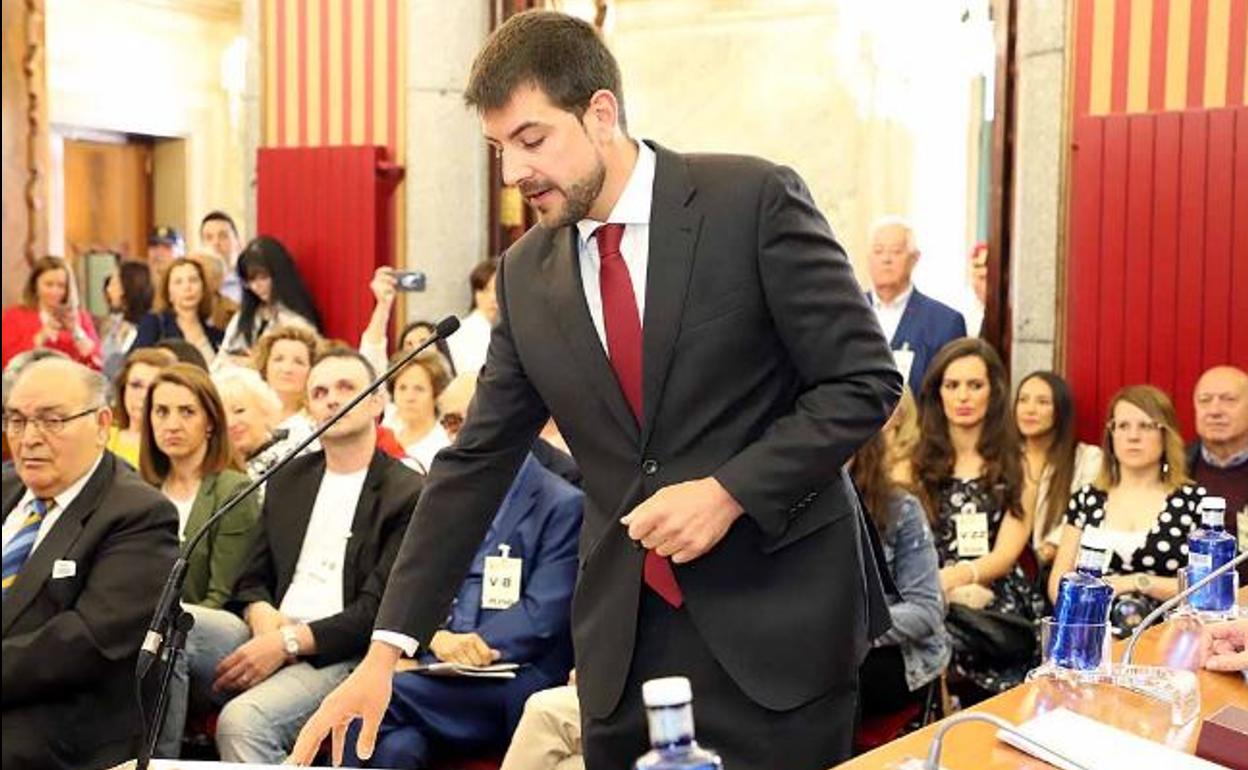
x,y
469,344
13,522
890,313
315,591
633,211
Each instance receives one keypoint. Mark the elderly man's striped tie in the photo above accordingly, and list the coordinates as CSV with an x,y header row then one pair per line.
x,y
19,548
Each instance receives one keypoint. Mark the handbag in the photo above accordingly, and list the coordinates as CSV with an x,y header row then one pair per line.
x,y
991,634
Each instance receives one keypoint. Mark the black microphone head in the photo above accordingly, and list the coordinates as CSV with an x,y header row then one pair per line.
x,y
447,326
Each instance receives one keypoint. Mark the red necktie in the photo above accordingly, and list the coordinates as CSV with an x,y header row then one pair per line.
x,y
623,327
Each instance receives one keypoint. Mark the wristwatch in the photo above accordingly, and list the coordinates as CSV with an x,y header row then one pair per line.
x,y
290,642
1142,582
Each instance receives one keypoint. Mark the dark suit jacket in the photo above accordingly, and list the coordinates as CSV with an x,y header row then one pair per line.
x,y
763,366
385,505
70,643
155,327
927,325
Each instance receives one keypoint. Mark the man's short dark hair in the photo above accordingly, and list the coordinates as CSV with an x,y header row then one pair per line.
x,y
218,216
344,351
183,350
562,55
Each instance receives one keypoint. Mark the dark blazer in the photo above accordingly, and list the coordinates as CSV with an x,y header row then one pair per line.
x,y
155,327
927,325
385,505
70,643
763,366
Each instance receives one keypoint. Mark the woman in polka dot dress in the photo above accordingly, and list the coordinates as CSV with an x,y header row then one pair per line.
x,y
1143,502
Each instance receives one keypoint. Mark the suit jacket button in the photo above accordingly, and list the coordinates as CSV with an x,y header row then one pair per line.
x,y
650,467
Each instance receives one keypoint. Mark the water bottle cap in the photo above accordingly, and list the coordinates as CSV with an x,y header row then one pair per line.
x,y
1212,503
669,691
1094,537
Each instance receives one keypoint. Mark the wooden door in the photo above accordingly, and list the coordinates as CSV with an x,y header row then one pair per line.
x,y
108,198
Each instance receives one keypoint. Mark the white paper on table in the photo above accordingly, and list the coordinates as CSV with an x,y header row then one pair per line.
x,y
1097,746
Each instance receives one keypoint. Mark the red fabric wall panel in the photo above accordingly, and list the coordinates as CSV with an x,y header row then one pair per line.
x,y
332,210
1157,278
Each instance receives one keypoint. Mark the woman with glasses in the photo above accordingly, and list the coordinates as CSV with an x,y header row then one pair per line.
x,y
131,385
415,389
1142,501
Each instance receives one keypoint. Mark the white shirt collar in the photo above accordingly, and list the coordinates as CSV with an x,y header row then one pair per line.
x,y
70,493
633,207
898,303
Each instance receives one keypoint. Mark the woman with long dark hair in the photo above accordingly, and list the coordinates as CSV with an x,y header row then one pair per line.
x,y
274,296
129,293
968,469
916,650
1054,463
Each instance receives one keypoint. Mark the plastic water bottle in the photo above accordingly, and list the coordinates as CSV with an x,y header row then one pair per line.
x,y
1208,548
1081,611
669,711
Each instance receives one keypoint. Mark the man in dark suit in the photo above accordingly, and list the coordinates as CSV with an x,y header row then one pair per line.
x,y
330,527
712,363
916,325
494,619
87,546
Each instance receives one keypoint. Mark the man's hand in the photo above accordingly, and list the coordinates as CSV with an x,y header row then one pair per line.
x,y
363,695
1224,646
251,664
263,618
465,649
685,520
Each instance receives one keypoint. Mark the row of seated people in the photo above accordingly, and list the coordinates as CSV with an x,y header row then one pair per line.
x,y
964,425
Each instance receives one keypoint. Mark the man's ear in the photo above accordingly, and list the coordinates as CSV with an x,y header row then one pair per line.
x,y
104,421
602,115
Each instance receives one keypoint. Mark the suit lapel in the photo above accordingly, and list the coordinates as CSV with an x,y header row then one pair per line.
x,y
909,321
674,230
56,544
518,503
567,295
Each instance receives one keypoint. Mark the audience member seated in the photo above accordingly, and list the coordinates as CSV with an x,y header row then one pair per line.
x,y
223,308
218,232
916,325
534,533
186,311
130,388
49,317
187,455
469,344
373,340
128,291
552,452
284,357
87,547
968,470
1143,502
330,528
274,296
915,650
183,351
252,411
901,438
1218,459
548,736
415,389
164,247
1054,463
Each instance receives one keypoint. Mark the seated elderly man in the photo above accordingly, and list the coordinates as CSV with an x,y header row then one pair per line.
x,y
87,546
514,607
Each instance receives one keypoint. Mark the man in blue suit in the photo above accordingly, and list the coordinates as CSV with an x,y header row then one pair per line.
x,y
915,324
534,535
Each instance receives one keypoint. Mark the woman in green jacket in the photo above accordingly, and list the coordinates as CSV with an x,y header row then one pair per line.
x,y
186,453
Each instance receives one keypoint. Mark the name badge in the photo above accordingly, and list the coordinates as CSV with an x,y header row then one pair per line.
x,y
501,582
972,529
1241,519
63,568
904,359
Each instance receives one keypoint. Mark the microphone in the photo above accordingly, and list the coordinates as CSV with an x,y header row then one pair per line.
x,y
1176,600
1032,745
154,640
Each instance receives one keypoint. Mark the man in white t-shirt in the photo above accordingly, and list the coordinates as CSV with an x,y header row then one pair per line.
x,y
303,608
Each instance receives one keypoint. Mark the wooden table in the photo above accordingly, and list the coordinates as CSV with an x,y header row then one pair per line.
x,y
974,746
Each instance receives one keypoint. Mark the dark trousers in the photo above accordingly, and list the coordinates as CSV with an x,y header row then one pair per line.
x,y
882,685
747,736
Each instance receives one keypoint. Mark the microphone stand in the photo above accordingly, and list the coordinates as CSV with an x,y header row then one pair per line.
x,y
170,623
1034,747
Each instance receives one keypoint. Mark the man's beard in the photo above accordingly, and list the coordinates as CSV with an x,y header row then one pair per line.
x,y
579,198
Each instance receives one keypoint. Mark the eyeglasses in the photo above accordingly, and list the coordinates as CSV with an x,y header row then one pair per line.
x,y
1127,426
15,423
